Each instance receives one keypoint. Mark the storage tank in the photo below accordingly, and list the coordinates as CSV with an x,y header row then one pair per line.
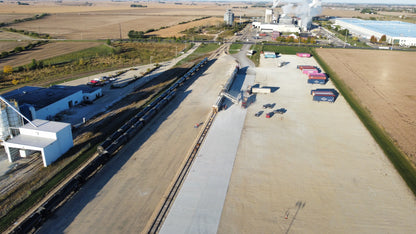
x,y
4,122
268,18
15,121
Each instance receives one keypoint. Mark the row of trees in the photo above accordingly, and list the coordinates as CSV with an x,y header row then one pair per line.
x,y
382,39
19,49
29,33
309,40
35,17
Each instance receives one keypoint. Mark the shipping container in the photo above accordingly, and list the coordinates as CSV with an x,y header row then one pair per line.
x,y
324,92
310,71
269,54
316,81
303,55
301,67
317,75
323,98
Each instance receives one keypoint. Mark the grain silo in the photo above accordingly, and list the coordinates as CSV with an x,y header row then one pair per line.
x,y
268,18
10,120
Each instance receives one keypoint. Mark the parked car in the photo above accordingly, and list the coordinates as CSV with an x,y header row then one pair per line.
x,y
268,105
258,113
280,111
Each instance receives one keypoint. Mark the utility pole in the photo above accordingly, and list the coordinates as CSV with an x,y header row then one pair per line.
x,y
119,26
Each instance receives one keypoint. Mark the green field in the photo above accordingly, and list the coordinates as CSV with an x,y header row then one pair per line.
x,y
235,48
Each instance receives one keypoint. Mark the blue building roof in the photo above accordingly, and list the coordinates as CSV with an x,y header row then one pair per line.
x,y
388,28
41,97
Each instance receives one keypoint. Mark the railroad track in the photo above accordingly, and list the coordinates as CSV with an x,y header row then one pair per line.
x,y
158,221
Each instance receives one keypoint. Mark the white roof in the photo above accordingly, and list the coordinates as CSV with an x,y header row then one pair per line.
x,y
29,141
45,125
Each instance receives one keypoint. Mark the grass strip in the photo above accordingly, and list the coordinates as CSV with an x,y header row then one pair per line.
x,y
200,52
395,155
235,48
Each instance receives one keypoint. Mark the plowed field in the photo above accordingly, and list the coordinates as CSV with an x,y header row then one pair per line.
x,y
46,51
384,82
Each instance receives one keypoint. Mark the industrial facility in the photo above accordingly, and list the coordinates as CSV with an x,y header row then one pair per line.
x,y
301,20
229,17
396,32
51,139
44,103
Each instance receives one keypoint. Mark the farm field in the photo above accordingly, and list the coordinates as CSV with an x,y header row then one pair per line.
x,y
10,45
177,29
105,20
384,87
9,17
103,25
46,51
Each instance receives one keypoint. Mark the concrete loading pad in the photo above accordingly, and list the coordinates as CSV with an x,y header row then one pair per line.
x,y
314,169
124,195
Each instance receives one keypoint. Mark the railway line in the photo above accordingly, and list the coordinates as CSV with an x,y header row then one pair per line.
x,y
105,151
163,211
158,221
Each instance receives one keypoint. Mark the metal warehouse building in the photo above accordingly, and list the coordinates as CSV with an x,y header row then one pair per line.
x,y
44,103
397,32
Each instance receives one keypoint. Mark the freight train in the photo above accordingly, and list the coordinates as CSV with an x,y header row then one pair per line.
x,y
105,151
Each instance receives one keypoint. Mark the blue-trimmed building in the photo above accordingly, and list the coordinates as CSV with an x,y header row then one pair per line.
x,y
397,32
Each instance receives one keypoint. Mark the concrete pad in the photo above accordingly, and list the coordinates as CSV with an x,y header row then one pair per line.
x,y
314,169
125,194
198,206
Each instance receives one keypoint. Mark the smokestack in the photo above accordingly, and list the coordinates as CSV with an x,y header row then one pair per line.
x,y
305,11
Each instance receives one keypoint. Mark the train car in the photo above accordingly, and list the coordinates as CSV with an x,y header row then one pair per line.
x,y
147,117
116,135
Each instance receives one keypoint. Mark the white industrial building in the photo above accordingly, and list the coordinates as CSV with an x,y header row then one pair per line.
x,y
277,28
51,139
397,32
285,24
229,17
44,103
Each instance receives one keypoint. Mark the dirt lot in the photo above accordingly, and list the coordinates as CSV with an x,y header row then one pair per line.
x,y
385,87
46,51
314,169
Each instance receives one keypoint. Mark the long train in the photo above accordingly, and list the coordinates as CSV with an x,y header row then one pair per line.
x,y
105,152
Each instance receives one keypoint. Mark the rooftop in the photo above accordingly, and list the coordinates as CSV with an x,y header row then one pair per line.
x,y
45,125
40,97
390,28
